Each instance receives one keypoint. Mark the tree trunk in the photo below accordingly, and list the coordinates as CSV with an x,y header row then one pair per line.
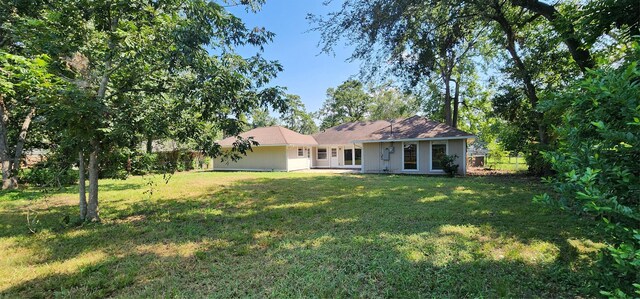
x,y
82,187
92,208
525,76
562,26
447,98
4,155
149,144
15,166
456,103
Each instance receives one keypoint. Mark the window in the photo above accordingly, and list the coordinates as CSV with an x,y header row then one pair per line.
x,y
334,152
358,156
438,151
322,154
410,156
348,156
300,152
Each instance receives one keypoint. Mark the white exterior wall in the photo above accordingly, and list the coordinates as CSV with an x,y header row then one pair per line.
x,y
326,163
263,158
373,163
294,161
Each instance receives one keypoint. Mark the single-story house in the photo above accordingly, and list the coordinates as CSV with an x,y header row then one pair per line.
x,y
280,149
413,145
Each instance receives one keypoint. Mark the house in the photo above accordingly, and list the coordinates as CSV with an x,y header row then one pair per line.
x,y
413,145
280,149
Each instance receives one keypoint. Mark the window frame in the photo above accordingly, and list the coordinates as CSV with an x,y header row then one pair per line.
x,y
344,156
326,153
446,152
417,144
300,152
354,156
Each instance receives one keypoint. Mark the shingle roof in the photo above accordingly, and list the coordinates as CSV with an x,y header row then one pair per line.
x,y
275,135
347,133
415,127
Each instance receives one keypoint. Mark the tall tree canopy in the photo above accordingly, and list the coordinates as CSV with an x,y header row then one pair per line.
x,y
119,54
539,45
297,118
346,103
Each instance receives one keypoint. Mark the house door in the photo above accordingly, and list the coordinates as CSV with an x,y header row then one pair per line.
x,y
333,157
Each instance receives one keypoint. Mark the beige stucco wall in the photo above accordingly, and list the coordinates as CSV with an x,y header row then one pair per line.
x,y
373,163
267,158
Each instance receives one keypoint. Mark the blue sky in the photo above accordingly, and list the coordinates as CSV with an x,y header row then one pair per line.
x,y
307,72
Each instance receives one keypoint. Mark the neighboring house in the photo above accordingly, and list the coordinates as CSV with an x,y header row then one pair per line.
x,y
413,145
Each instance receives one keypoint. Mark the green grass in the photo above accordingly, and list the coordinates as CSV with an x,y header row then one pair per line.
x,y
507,164
297,235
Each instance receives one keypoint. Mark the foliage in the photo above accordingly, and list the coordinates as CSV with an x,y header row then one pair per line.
x,y
449,166
129,62
48,174
25,84
417,42
348,102
297,118
261,118
598,164
388,102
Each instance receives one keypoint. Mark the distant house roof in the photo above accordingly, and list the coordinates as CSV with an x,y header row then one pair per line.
x,y
415,127
275,135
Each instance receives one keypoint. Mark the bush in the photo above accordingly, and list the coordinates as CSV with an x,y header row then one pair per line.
x,y
144,163
537,164
178,160
598,167
448,165
48,174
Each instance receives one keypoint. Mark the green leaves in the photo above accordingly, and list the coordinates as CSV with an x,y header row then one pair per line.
x,y
598,165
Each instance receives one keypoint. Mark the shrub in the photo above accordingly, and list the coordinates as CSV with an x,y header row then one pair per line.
x,y
598,167
448,165
48,174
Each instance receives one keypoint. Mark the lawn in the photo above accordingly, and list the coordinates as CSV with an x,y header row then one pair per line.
x,y
507,163
297,235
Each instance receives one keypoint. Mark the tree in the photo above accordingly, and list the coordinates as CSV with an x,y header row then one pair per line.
x,y
24,84
387,102
119,52
297,118
597,164
417,41
261,118
347,103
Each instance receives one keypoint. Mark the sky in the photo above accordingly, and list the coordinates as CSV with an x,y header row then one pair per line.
x,y
307,72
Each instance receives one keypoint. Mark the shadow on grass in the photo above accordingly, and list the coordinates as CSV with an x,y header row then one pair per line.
x,y
322,236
